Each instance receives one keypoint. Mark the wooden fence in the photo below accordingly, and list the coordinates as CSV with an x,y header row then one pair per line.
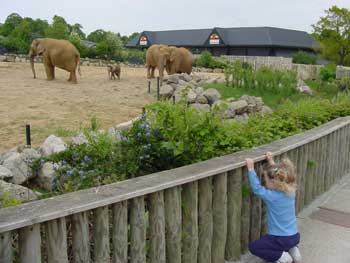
x,y
198,213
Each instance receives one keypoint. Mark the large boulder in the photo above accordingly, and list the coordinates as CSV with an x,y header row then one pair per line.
x,y
191,96
5,174
212,95
266,110
224,108
79,139
17,191
52,144
239,106
202,99
19,165
185,77
46,175
201,107
166,91
305,89
173,79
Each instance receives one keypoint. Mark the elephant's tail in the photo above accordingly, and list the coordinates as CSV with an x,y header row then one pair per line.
x,y
78,65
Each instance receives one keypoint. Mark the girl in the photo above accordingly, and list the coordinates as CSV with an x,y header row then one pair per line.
x,y
280,243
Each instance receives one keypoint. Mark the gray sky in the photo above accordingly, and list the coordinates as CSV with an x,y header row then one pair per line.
x,y
128,16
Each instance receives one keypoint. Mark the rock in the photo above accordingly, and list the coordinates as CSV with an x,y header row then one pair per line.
x,y
305,89
166,91
173,79
2,58
19,163
182,82
174,86
46,175
218,70
259,103
51,145
79,139
201,107
202,99
240,106
191,96
185,77
112,132
199,90
8,154
266,110
5,174
10,58
212,95
251,108
225,109
180,94
17,191
242,118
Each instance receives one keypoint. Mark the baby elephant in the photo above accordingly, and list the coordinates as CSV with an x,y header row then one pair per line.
x,y
113,70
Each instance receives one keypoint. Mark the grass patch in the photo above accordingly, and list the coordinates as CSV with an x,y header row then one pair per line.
x,y
323,89
270,98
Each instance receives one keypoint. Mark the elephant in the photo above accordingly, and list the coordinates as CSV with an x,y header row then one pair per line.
x,y
157,56
56,53
113,70
180,61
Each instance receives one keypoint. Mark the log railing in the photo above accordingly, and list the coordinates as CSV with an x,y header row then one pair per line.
x,y
199,213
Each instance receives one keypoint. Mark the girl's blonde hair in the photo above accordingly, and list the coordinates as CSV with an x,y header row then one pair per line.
x,y
284,176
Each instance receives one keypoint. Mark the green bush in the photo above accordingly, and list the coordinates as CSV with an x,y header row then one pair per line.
x,y
169,136
327,73
302,57
344,84
7,200
206,60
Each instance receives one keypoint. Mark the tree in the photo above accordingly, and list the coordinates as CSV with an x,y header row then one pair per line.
x,y
77,29
333,33
11,22
59,28
97,36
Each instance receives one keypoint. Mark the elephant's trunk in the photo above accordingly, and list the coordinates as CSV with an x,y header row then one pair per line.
x,y
32,65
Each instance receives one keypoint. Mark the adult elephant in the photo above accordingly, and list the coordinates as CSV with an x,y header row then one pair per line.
x,y
157,56
180,61
56,53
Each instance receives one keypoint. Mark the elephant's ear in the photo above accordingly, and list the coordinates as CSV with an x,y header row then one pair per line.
x,y
40,49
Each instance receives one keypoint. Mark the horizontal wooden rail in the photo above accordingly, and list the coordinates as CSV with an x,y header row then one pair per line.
x,y
72,203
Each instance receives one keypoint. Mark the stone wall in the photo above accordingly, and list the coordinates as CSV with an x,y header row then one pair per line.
x,y
342,72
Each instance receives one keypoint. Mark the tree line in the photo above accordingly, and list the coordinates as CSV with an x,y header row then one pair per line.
x,y
16,34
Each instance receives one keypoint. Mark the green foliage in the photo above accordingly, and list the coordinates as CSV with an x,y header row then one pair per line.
x,y
333,32
327,73
59,28
273,85
302,57
323,89
7,200
206,60
344,84
311,164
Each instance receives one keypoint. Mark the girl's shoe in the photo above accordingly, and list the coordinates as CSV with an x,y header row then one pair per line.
x,y
285,258
295,254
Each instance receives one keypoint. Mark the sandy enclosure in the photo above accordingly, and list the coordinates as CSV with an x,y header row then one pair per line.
x,y
53,107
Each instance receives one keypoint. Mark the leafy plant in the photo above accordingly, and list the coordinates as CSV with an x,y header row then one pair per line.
x,y
327,73
302,57
7,200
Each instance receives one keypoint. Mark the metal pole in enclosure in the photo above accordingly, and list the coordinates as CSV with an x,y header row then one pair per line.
x,y
149,86
29,143
158,88
173,99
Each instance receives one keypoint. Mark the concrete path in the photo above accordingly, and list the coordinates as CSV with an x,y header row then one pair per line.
x,y
324,242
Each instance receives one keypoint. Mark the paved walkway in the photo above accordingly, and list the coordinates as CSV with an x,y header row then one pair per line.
x,y
324,227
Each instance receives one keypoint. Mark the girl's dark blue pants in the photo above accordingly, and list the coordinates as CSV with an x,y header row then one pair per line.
x,y
270,248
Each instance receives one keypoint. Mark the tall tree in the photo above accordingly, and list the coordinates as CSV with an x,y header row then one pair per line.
x,y
97,36
333,33
78,29
59,28
11,22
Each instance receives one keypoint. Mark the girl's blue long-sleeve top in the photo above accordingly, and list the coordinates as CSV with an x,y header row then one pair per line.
x,y
281,220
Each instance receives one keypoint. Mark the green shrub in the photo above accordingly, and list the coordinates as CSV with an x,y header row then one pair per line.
x,y
302,57
327,73
344,84
206,60
7,200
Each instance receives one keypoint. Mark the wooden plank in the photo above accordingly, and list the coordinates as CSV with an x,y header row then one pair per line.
x,y
157,228
137,231
219,218
173,225
327,178
190,222
120,232
255,211
303,165
316,169
205,219
56,241
52,208
309,174
347,149
245,212
234,206
101,235
29,244
6,247
81,242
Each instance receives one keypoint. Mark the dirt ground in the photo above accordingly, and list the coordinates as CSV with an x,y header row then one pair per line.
x,y
58,107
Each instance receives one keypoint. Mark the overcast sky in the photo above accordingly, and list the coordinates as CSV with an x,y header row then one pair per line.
x,y
128,16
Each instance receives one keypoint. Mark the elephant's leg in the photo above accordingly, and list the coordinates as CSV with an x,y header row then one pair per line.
x,y
50,71
148,71
73,77
152,72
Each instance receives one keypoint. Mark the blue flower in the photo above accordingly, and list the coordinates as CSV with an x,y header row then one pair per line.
x,y
142,125
87,159
81,173
70,172
139,134
64,163
90,172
